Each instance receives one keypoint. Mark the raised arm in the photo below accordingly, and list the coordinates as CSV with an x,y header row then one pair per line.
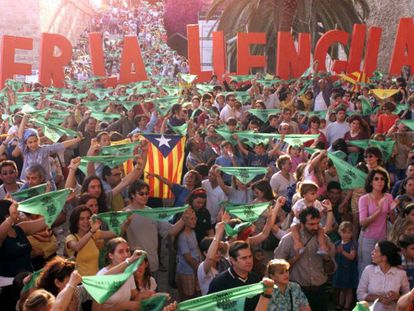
x,y
22,126
243,150
8,223
212,250
65,296
78,245
162,179
135,174
71,179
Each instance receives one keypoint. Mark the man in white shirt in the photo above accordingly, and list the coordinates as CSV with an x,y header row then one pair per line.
x,y
270,99
228,111
337,129
215,194
322,90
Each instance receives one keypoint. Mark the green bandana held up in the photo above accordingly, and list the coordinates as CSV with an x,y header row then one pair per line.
x,y
263,114
181,129
242,78
386,147
188,78
49,205
159,214
54,132
28,193
230,300
349,176
230,231
408,123
164,104
107,160
117,150
104,116
244,174
246,212
101,287
114,220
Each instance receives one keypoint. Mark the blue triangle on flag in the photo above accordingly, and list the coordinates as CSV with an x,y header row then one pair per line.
x,y
165,143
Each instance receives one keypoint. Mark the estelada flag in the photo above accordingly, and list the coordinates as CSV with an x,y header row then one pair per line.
x,y
165,158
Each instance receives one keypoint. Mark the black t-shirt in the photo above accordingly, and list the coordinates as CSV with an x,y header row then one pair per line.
x,y
229,279
15,254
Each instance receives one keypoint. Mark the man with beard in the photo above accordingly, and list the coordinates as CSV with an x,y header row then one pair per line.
x,y
308,268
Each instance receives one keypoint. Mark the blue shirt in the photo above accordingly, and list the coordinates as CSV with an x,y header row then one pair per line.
x,y
39,156
187,244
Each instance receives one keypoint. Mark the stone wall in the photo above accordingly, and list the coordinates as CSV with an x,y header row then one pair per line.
x,y
386,14
32,17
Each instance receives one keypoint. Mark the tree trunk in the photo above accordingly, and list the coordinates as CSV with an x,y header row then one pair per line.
x,y
288,10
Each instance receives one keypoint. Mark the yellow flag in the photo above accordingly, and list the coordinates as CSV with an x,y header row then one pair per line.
x,y
384,94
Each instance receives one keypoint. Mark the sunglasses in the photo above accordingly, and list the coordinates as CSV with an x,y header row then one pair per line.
x,y
369,156
379,178
143,193
5,173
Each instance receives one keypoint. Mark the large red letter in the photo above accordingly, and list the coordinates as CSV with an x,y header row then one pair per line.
x,y
52,68
219,54
8,68
245,60
403,53
371,54
357,48
132,67
324,43
289,62
193,46
98,60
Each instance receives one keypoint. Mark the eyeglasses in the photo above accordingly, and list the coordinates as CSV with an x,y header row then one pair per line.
x,y
5,173
143,193
379,178
369,156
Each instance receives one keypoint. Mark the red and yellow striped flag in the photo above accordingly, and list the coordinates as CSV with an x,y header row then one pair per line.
x,y
165,158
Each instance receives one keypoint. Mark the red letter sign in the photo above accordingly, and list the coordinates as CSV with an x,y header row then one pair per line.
x,y
8,68
245,61
98,60
403,53
193,46
52,68
132,67
219,54
289,62
324,43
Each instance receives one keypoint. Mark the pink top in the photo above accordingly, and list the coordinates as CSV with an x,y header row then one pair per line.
x,y
377,229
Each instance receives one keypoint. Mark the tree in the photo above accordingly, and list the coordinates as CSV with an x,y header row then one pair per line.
x,y
270,16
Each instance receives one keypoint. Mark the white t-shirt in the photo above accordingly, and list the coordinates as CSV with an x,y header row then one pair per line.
x,y
122,294
214,197
204,279
320,104
279,183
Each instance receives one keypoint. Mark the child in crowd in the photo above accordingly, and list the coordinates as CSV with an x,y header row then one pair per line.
x,y
308,191
297,156
346,275
189,257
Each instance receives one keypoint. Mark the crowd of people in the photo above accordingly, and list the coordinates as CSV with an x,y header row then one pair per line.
x,y
259,201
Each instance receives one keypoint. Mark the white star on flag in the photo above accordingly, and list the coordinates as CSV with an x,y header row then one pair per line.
x,y
163,141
